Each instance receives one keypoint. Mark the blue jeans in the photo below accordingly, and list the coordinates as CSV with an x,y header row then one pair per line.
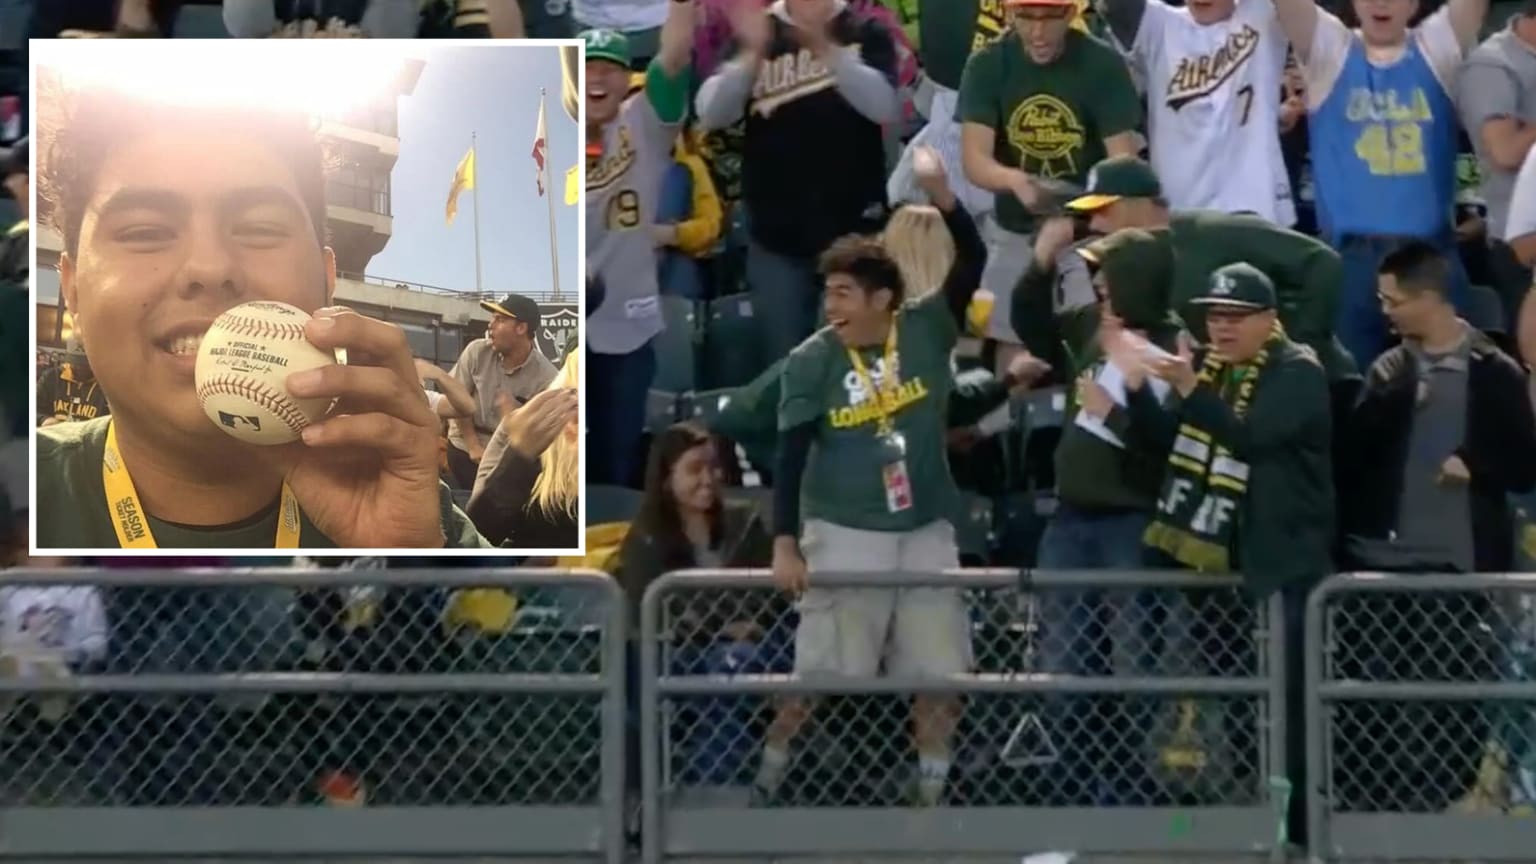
x,y
617,385
1360,324
1094,632
786,294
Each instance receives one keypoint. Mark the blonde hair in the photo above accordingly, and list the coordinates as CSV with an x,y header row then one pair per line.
x,y
556,491
919,242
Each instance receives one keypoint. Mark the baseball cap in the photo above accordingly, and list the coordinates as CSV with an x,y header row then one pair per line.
x,y
1240,286
1012,4
609,45
1138,271
1115,178
14,160
513,306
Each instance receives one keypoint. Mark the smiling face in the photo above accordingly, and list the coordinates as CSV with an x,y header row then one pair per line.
x,y
694,482
607,87
854,311
180,225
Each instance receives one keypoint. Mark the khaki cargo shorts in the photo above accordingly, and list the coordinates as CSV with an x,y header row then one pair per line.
x,y
850,631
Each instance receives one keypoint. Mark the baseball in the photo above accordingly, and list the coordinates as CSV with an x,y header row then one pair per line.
x,y
243,364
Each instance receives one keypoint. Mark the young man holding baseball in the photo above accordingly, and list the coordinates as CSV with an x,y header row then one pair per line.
x,y
170,217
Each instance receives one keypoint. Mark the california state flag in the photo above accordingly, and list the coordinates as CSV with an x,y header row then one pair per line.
x,y
540,143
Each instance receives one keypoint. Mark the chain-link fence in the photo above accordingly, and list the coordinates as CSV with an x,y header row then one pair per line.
x,y
261,712
1421,717
1098,711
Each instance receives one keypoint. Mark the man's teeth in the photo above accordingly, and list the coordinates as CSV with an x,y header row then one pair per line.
x,y
184,344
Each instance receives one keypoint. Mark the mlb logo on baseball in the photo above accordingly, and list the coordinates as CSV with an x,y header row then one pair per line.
x,y
235,422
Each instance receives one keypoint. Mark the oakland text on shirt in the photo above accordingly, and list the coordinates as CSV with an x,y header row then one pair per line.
x,y
614,164
1391,139
1200,76
792,76
1047,135
861,407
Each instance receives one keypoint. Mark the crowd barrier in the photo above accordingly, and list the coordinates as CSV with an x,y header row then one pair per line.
x,y
216,709
1109,712
1421,717
163,714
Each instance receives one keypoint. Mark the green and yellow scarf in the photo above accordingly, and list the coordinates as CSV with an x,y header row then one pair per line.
x,y
1203,489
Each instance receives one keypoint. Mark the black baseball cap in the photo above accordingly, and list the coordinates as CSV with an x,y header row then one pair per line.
x,y
1238,286
14,160
513,306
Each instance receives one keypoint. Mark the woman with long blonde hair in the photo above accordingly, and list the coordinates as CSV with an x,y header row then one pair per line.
x,y
528,487
936,246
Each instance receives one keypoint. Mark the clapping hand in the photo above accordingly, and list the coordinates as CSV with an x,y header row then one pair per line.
x,y
1177,369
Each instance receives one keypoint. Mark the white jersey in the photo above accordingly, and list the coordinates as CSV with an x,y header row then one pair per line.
x,y
1213,108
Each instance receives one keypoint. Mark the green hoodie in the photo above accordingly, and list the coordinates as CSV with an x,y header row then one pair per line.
x,y
1137,268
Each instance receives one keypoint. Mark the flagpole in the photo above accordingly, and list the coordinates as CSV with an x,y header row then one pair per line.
x,y
549,195
475,188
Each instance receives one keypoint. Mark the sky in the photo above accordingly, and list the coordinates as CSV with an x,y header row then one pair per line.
x,y
492,92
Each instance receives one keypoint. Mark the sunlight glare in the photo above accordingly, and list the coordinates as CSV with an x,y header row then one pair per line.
x,y
318,78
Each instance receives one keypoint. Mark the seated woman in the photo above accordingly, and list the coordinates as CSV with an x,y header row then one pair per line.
x,y
684,523
527,488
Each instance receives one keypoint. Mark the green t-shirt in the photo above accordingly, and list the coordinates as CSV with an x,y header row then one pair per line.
x,y
844,480
1050,120
72,504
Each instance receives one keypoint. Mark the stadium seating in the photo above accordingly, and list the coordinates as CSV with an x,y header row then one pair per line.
x,y
732,354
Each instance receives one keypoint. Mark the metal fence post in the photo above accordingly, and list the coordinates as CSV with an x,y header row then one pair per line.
x,y
1316,714
1279,721
615,724
650,721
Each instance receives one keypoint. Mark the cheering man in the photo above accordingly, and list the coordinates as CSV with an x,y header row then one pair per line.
x,y
862,414
171,216
629,149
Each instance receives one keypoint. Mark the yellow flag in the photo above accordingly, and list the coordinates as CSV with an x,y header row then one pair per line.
x,y
464,178
572,186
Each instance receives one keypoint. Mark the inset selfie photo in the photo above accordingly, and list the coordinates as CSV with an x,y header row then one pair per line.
x,y
292,295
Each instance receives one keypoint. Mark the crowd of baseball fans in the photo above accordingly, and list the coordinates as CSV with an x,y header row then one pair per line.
x,y
1239,287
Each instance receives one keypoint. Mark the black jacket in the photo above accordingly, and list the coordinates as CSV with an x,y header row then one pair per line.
x,y
1499,448
744,542
500,508
1286,527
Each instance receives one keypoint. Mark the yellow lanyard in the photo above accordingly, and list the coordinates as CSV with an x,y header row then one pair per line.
x,y
132,524
877,397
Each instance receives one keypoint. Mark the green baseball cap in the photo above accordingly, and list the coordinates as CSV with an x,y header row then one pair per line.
x,y
1115,178
1137,265
609,45
1239,286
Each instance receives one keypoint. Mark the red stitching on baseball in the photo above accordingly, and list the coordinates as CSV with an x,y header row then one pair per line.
x,y
225,385
257,328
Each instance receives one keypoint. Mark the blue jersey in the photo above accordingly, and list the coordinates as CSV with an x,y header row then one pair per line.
x,y
1384,148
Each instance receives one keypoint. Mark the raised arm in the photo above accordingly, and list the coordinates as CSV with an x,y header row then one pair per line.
x,y
867,79
1467,17
1298,19
723,97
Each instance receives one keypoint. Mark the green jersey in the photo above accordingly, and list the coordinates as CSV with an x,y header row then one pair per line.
x,y
1050,120
72,511
845,480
